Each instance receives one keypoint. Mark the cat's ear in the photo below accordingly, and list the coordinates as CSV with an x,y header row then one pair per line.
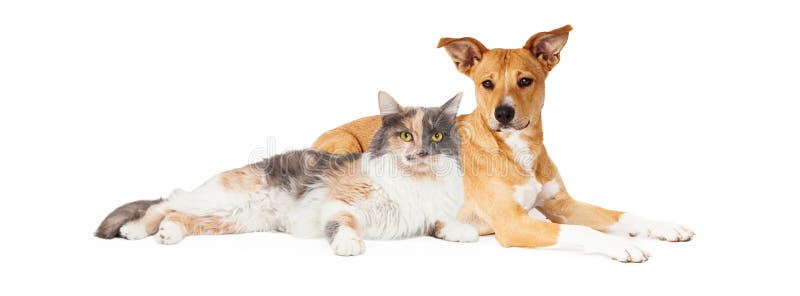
x,y
450,107
387,104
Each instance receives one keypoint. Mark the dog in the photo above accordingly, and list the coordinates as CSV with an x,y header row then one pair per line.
x,y
508,175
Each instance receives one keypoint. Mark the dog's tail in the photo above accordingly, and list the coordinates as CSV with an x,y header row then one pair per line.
x,y
110,226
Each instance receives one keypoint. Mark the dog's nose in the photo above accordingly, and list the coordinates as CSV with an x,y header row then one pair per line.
x,y
504,114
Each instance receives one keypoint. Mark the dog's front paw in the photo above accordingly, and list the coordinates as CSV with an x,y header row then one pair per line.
x,y
346,246
632,225
590,241
133,230
622,250
667,231
458,232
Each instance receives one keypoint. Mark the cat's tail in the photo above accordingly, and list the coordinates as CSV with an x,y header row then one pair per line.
x,y
132,211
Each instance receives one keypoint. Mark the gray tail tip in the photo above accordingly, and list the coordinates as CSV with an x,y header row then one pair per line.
x,y
104,234
131,211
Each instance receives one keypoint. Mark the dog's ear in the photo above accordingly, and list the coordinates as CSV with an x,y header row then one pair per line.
x,y
546,46
387,104
465,52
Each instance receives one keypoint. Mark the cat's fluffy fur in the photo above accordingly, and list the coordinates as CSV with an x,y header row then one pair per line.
x,y
401,188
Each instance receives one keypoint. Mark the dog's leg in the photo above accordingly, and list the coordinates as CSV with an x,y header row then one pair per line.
x,y
337,141
557,205
525,232
469,214
562,208
353,136
495,203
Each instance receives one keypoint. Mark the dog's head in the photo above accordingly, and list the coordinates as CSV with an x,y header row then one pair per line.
x,y
509,83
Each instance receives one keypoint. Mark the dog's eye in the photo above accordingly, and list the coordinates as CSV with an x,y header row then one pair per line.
x,y
488,84
524,81
437,137
406,136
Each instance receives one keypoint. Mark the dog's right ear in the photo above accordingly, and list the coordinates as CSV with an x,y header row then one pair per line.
x,y
465,52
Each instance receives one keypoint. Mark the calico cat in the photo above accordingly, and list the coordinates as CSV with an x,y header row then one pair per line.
x,y
408,184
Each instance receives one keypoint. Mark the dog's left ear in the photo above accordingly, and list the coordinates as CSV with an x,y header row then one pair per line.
x,y
546,46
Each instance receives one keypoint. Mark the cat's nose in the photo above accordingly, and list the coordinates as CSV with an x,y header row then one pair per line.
x,y
504,114
423,153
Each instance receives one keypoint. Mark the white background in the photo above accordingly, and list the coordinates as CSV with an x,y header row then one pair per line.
x,y
683,111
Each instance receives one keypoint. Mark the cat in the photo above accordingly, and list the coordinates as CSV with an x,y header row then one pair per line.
x,y
408,184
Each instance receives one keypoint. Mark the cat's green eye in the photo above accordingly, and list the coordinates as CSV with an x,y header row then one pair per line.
x,y
437,137
406,136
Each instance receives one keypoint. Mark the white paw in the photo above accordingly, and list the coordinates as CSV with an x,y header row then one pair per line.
x,y
590,241
457,232
621,250
133,230
667,231
169,233
348,246
637,226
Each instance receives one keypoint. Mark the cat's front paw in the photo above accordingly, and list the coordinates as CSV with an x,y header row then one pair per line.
x,y
458,232
348,246
169,233
634,226
133,230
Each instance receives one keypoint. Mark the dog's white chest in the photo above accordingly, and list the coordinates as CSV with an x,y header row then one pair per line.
x,y
524,194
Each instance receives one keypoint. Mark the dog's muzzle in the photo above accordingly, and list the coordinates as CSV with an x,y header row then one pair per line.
x,y
505,119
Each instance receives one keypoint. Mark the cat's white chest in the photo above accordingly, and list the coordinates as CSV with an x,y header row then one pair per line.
x,y
405,206
525,194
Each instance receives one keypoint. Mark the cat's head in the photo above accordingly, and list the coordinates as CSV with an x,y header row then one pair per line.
x,y
417,138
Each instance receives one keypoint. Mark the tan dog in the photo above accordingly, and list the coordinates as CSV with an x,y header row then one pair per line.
x,y
507,172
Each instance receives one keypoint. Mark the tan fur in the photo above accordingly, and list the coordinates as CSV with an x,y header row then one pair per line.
x,y
245,179
415,123
349,184
352,137
397,144
197,225
152,218
490,171
471,215
347,219
437,229
422,171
